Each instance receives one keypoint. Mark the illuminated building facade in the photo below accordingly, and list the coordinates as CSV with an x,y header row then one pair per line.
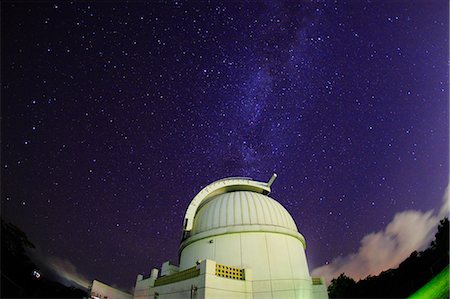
x,y
237,243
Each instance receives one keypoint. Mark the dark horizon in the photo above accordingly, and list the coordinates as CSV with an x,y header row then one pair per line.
x,y
115,116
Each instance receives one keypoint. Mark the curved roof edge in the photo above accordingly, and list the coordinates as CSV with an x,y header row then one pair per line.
x,y
223,186
237,229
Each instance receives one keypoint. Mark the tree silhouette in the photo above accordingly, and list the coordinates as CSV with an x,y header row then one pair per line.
x,y
20,277
411,274
342,287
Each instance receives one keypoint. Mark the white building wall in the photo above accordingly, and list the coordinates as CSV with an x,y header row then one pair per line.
x,y
269,255
181,289
320,292
208,285
102,290
142,288
259,263
278,261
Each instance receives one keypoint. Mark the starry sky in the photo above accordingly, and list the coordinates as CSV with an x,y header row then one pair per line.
x,y
113,117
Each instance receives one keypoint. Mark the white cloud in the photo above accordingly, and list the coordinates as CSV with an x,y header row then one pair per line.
x,y
408,231
67,271
59,269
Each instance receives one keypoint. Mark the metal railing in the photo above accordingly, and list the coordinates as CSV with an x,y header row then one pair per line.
x,y
183,275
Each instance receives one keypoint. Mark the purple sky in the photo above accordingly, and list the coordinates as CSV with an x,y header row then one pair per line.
x,y
115,115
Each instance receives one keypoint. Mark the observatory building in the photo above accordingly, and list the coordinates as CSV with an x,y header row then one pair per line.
x,y
237,242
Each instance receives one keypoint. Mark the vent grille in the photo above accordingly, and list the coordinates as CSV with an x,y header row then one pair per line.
x,y
230,272
316,281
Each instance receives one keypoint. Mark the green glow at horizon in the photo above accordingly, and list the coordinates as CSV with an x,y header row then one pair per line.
x,y
438,287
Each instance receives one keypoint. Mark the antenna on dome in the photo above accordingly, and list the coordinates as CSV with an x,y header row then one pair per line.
x,y
272,179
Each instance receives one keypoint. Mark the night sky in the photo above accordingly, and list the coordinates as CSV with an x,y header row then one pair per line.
x,y
114,116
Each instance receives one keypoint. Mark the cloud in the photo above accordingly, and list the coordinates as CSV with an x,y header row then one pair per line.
x,y
409,230
67,271
61,270
445,209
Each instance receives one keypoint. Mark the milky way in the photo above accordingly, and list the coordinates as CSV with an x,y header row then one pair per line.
x,y
115,115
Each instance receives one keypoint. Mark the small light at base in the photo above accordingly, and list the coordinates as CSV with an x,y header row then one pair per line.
x,y
36,274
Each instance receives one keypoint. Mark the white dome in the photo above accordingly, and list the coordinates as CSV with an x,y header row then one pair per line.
x,y
242,208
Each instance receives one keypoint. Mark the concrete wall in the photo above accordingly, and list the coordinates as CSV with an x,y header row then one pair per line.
x,y
209,285
277,274
102,290
320,291
142,289
269,255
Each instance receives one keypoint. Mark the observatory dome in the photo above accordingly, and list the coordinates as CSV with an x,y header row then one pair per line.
x,y
233,221
241,208
237,242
